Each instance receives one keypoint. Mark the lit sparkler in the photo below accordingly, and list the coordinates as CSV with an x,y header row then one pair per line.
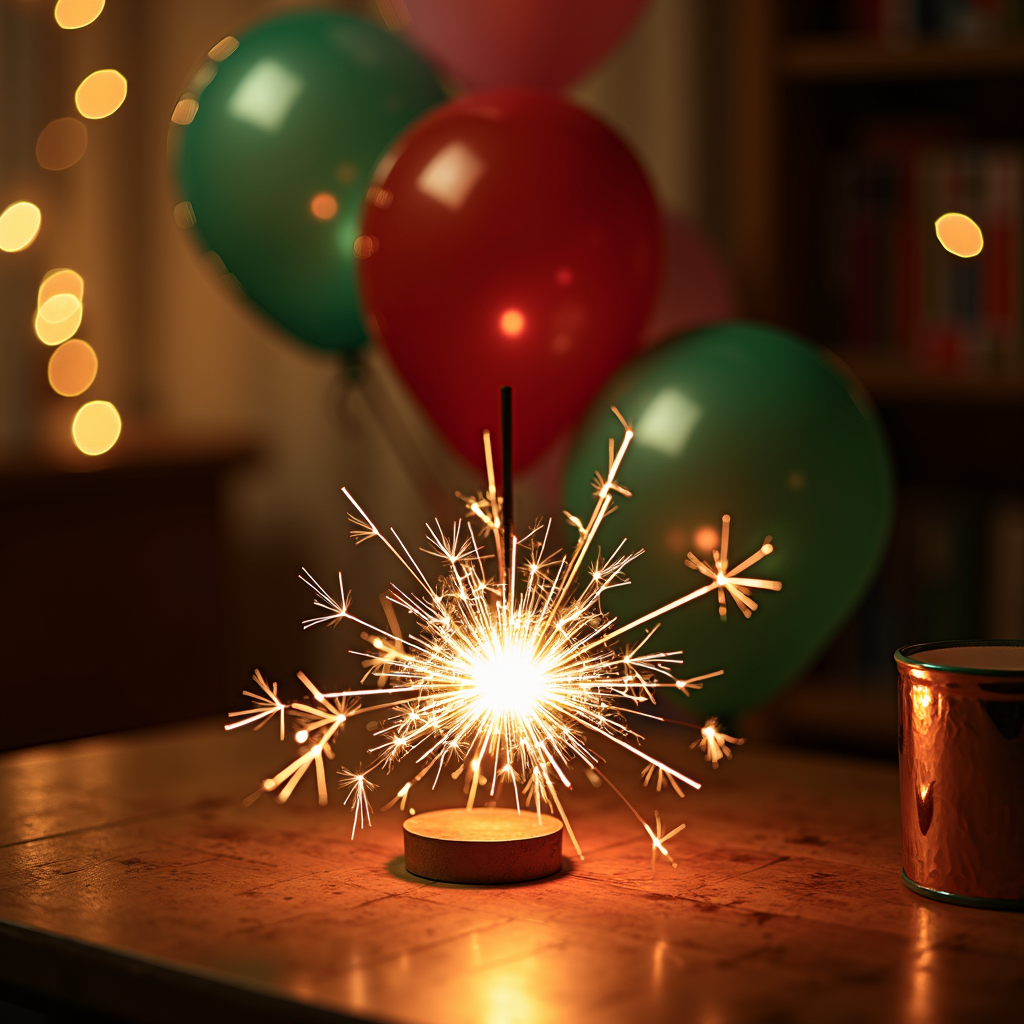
x,y
508,676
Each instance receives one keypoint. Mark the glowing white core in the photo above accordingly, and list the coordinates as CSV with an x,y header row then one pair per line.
x,y
512,683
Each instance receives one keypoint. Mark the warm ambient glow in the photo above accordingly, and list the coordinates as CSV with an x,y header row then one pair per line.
x,y
512,672
72,368
61,144
96,427
77,13
323,206
101,93
19,225
61,281
959,234
512,323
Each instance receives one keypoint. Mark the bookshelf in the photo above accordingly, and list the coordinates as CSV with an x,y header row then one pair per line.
x,y
826,59
804,92
795,98
892,380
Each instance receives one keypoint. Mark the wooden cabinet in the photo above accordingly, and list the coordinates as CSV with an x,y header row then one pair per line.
x,y
112,607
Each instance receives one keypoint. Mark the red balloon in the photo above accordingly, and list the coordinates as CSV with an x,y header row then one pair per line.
x,y
509,238
695,289
500,44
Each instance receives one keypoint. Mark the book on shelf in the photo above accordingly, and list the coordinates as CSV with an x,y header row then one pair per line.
x,y
955,571
892,289
955,21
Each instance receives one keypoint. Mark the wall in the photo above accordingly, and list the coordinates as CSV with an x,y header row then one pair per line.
x,y
182,352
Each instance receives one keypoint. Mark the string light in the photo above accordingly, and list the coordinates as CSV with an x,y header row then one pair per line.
x,y
19,225
959,235
185,110
101,93
51,333
60,307
72,368
96,427
223,49
57,281
73,14
61,144
323,206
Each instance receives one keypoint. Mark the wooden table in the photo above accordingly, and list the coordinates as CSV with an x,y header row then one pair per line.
x,y
134,882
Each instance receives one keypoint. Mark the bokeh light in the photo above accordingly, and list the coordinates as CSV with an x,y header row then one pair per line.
x,y
365,246
224,48
705,538
96,427
19,225
959,234
512,323
60,307
201,79
323,206
185,110
72,368
54,333
101,93
61,144
77,13
184,215
61,281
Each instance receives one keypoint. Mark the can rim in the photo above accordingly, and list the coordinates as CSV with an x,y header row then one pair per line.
x,y
982,902
907,656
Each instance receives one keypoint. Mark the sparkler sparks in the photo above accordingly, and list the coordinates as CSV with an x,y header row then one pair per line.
x,y
510,674
714,744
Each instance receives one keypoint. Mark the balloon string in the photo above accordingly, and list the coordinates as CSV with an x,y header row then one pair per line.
x,y
420,469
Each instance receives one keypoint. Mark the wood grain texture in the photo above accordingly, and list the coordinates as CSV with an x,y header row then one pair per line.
x,y
132,881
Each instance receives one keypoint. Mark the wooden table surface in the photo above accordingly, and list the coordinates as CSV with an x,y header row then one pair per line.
x,y
133,881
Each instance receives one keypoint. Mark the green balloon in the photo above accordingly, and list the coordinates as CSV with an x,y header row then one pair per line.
x,y
292,123
748,421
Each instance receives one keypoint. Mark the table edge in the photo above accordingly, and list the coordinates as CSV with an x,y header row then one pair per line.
x,y
142,988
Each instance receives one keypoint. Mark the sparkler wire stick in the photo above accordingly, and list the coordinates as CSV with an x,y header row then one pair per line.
x,y
506,472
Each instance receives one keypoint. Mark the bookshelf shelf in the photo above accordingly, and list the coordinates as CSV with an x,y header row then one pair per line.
x,y
827,59
890,379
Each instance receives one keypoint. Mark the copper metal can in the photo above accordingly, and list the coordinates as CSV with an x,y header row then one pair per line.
x,y
961,744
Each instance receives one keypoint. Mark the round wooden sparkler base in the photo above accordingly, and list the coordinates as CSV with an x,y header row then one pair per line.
x,y
484,846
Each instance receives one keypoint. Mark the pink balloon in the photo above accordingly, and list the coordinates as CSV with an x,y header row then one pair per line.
x,y
695,289
498,44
